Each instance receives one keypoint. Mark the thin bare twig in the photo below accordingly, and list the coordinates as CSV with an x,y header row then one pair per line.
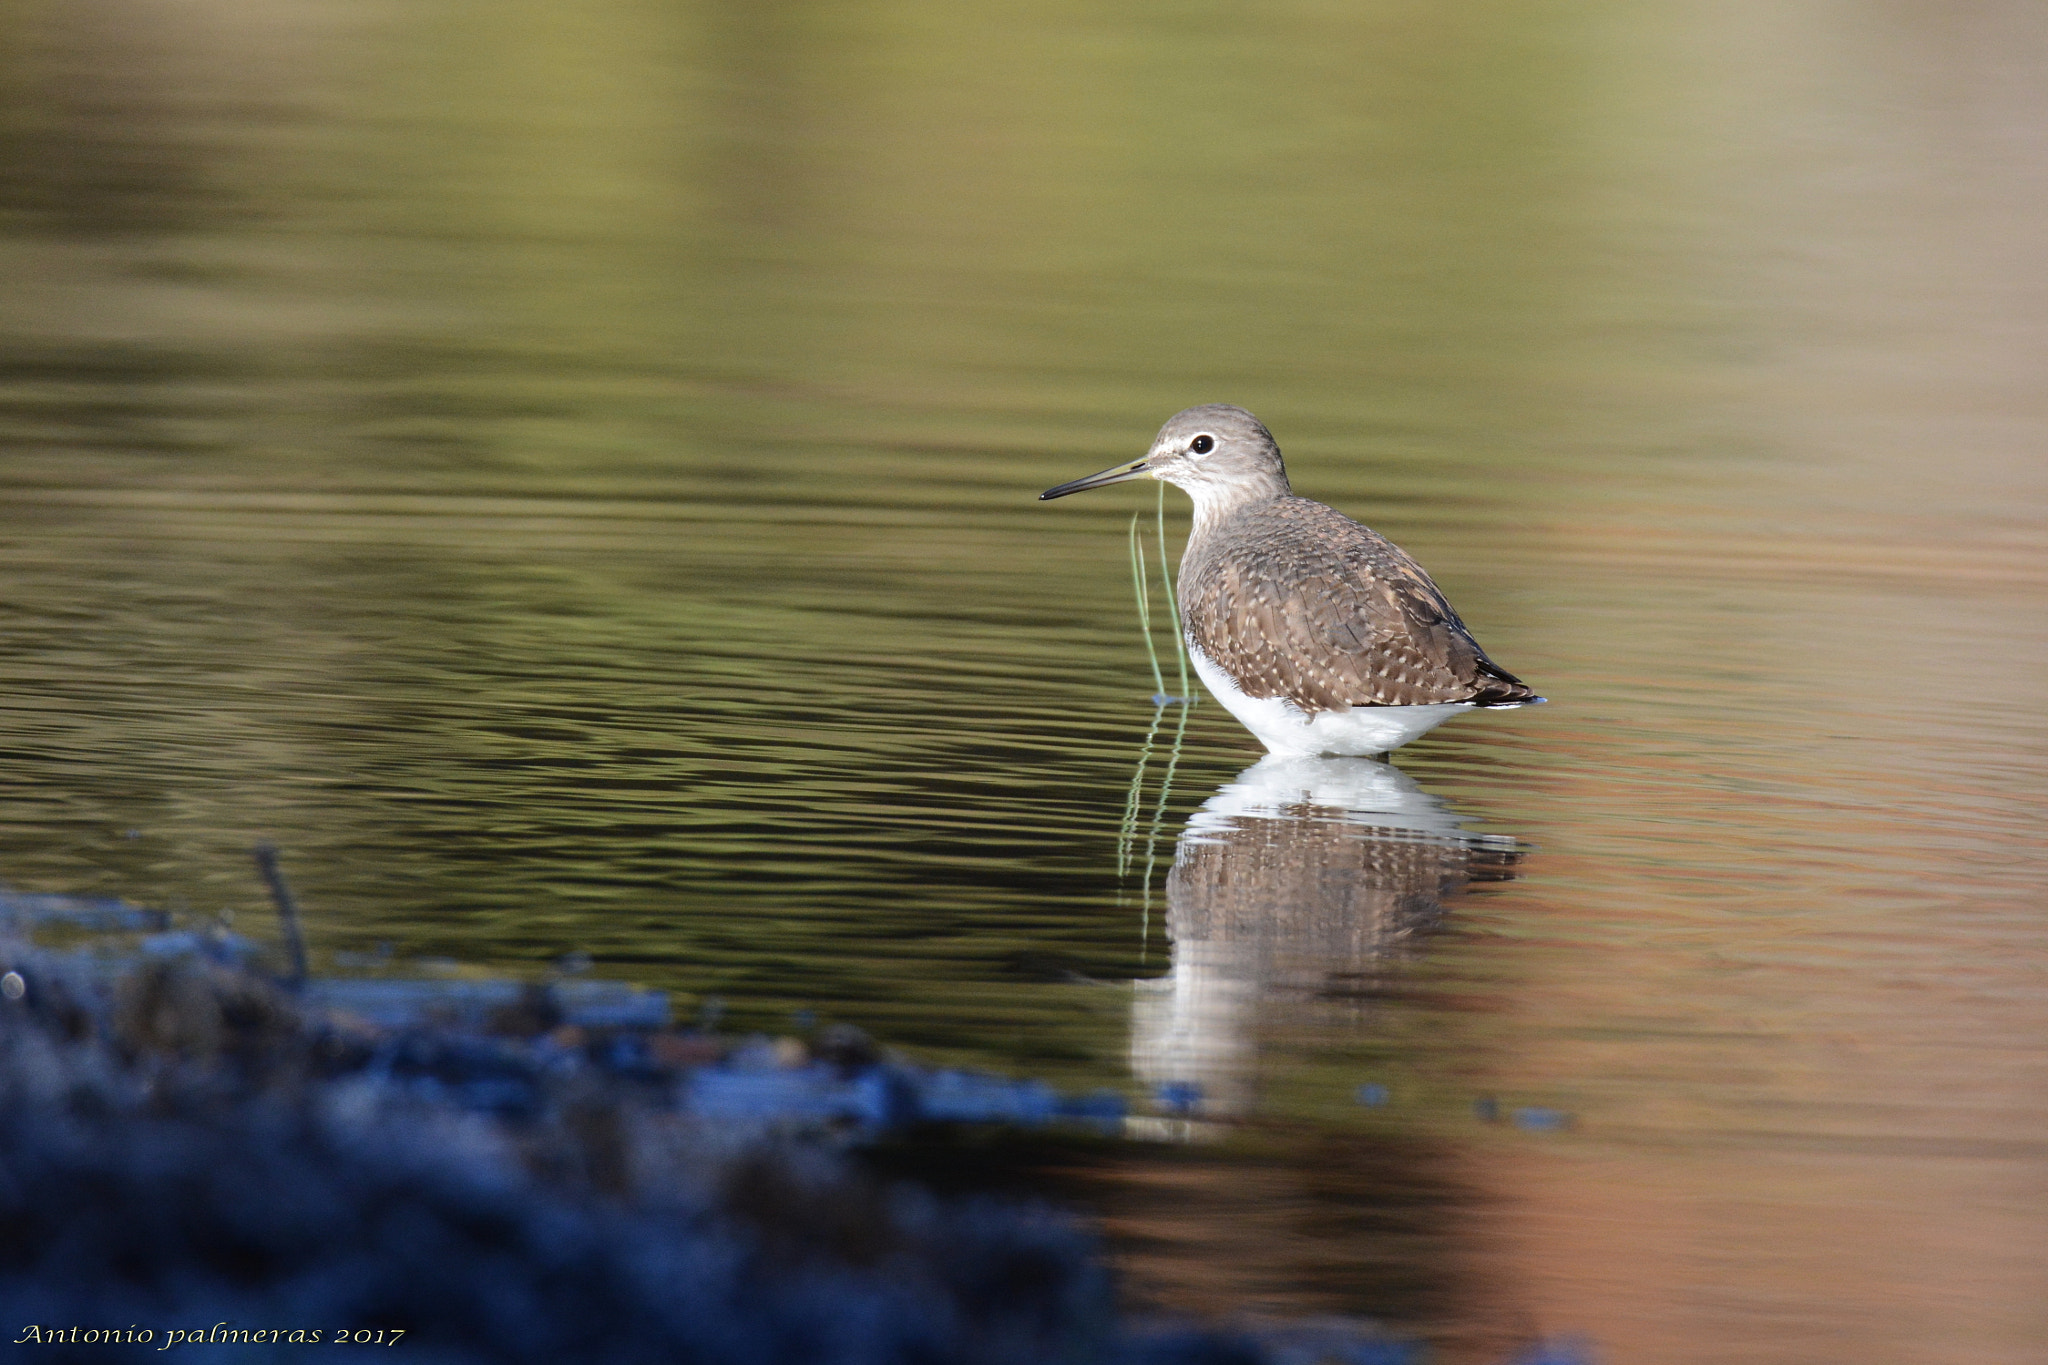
x,y
287,908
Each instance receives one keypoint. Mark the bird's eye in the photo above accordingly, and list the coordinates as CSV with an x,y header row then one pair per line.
x,y
1202,445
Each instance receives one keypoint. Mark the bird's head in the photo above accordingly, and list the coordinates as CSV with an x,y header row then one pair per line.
x,y
1221,455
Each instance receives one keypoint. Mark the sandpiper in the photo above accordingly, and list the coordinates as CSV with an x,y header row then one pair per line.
x,y
1319,634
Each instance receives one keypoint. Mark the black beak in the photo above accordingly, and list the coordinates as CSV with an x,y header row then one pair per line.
x,y
1114,474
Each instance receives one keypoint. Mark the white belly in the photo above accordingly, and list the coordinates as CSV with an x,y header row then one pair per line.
x,y
1285,729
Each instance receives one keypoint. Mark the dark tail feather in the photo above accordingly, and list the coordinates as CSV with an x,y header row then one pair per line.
x,y
1495,686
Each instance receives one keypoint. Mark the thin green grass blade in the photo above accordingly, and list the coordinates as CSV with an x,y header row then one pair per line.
x,y
1180,639
1141,583
1180,731
1127,834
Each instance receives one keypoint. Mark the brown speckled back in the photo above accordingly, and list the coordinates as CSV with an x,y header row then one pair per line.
x,y
1296,600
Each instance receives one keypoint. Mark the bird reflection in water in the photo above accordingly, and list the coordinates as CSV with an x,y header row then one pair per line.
x,y
1295,891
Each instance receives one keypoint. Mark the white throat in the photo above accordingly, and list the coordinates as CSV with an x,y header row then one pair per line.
x,y
1215,500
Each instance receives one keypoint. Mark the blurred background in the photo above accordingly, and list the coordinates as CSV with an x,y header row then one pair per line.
x,y
566,472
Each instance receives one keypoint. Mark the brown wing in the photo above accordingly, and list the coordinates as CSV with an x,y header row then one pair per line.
x,y
1294,599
